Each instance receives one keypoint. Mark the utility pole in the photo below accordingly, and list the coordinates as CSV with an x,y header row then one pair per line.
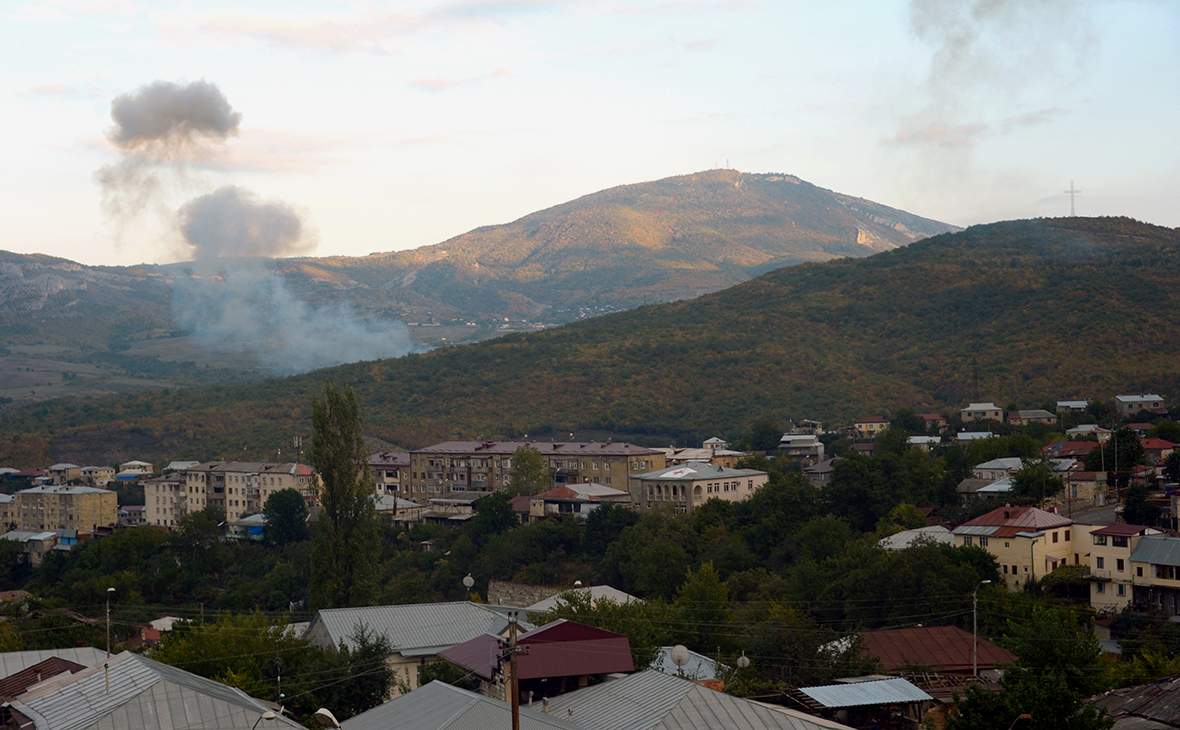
x,y
975,628
513,682
109,592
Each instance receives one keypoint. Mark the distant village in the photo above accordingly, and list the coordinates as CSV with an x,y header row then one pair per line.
x,y
569,674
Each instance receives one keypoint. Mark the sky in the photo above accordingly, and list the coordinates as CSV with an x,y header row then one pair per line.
x,y
384,126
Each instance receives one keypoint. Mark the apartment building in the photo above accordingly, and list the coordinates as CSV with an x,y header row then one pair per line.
x,y
1027,542
60,507
486,466
237,488
7,512
1129,405
689,486
1155,578
1111,572
388,470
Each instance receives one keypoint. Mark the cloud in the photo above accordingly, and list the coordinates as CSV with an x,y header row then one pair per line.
x,y
38,14
442,84
1031,119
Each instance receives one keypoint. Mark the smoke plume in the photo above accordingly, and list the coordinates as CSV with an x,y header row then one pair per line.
x,y
246,308
168,121
231,221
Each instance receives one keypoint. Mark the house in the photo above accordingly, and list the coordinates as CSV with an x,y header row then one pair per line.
x,y
1086,487
575,500
862,449
1072,406
941,649
652,700
820,473
802,446
390,471
1090,429
486,466
1111,579
132,692
53,507
1129,405
396,509
65,473
561,656
1070,449
998,468
1036,415
416,632
869,426
981,412
1155,565
808,425
247,528
1027,542
908,538
1157,449
141,467
925,443
131,515
37,543
13,662
98,476
691,485
719,457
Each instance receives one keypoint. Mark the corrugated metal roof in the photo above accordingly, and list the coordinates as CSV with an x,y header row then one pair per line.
x,y
594,593
942,648
143,695
14,661
413,629
699,666
1157,550
976,530
438,705
654,701
882,692
695,470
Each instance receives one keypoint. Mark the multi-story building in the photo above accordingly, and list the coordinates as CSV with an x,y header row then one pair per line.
x,y
1036,415
1111,573
869,426
689,486
237,488
7,512
486,466
98,476
1027,542
388,470
1129,405
60,507
65,473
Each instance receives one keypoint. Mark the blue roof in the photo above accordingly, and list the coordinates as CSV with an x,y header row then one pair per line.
x,y
855,694
1157,550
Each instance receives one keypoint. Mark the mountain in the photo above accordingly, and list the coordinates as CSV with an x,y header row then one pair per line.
x,y
1037,310
71,329
652,242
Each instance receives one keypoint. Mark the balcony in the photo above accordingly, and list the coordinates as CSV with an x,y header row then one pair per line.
x,y
1100,575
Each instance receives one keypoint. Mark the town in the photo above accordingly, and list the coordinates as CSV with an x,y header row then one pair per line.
x,y
549,580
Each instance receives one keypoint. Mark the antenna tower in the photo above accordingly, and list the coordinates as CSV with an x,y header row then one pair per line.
x,y
1071,192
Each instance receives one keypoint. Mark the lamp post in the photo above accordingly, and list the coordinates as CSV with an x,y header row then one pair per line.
x,y
975,628
268,715
325,716
1032,560
109,592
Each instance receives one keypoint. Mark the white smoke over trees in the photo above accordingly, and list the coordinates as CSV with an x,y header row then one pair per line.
x,y
228,302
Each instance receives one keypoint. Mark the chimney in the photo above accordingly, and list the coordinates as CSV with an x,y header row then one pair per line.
x,y
545,704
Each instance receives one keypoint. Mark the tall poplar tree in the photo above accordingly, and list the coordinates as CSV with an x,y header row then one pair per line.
x,y
343,572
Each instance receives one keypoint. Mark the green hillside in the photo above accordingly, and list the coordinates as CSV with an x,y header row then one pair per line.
x,y
1046,309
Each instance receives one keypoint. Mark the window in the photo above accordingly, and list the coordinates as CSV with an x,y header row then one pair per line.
x,y
1099,539
983,542
1055,536
1100,562
1067,535
1139,571
966,540
1122,589
1119,565
1120,541
1101,587
1007,545
1013,570
1005,570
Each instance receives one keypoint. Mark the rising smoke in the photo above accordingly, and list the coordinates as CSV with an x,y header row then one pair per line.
x,y
230,302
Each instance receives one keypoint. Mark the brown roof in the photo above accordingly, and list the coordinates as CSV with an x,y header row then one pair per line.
x,y
15,684
520,503
557,649
1028,518
1121,530
547,448
941,648
389,458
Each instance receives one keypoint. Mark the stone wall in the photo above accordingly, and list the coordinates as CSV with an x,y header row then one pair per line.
x,y
505,593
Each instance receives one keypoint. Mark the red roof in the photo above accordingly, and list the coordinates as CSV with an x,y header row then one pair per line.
x,y
558,649
520,503
942,648
1158,444
873,419
1121,530
931,417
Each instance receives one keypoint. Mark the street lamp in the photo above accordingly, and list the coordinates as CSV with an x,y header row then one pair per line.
x,y
109,592
268,715
325,716
975,628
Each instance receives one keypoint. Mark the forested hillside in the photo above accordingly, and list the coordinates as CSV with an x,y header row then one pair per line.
x,y
1038,310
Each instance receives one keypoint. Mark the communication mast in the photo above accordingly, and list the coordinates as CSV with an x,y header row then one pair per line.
x,y
1071,192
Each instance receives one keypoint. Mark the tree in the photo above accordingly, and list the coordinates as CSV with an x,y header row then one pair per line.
x,y
1048,699
530,473
1137,510
765,435
1166,430
286,517
1118,457
493,515
1036,479
343,571
907,420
